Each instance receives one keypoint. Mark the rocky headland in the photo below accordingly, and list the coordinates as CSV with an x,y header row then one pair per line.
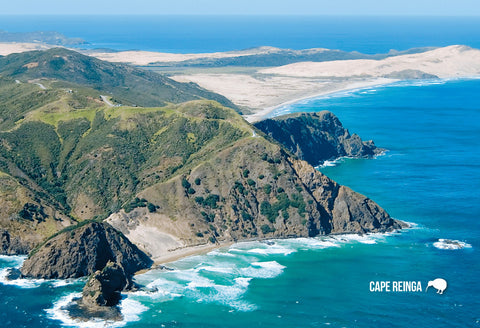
x,y
316,137
83,251
103,191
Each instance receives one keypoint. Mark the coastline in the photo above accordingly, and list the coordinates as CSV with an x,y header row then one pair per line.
x,y
352,86
184,252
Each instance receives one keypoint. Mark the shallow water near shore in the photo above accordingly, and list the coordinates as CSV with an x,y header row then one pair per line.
x,y
429,176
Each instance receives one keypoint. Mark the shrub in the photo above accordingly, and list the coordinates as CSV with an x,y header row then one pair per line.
x,y
261,176
211,201
246,216
198,181
245,173
151,207
191,191
266,229
267,189
251,182
185,183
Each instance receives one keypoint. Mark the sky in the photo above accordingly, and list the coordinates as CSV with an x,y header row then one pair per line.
x,y
244,7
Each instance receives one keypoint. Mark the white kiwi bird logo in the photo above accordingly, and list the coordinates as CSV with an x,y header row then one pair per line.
x,y
439,284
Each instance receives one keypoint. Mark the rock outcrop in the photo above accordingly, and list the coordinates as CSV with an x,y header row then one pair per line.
x,y
316,137
82,251
10,245
104,287
344,210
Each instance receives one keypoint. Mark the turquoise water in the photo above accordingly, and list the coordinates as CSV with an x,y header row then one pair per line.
x,y
430,176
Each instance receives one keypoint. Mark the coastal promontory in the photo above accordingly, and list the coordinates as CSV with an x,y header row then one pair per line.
x,y
316,137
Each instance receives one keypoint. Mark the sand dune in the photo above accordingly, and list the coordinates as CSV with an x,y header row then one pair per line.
x,y
452,61
7,48
141,58
272,87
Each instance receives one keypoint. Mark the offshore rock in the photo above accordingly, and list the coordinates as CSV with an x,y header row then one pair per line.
x,y
104,287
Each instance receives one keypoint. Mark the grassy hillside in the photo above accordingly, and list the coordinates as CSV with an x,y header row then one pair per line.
x,y
193,170
131,86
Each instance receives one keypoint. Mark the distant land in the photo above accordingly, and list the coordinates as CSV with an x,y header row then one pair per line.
x,y
258,80
46,37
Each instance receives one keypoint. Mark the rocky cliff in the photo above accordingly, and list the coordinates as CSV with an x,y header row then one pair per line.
x,y
316,137
12,245
82,251
253,189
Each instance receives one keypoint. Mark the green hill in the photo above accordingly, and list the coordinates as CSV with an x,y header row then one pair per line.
x,y
193,171
131,86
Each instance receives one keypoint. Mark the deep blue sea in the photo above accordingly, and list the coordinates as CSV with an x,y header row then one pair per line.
x,y
195,34
430,176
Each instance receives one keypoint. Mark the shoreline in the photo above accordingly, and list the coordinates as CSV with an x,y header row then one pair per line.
x,y
185,252
353,86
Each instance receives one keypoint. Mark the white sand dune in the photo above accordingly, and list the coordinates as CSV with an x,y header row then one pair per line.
x,y
277,86
452,61
141,58
7,48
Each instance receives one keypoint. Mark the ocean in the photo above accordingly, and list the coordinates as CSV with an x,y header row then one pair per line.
x,y
430,177
196,34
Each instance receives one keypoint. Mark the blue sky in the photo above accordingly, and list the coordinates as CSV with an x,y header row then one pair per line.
x,y
246,7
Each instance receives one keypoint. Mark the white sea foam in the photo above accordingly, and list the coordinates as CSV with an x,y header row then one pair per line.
x,y
312,243
22,283
129,308
272,250
217,269
65,282
263,270
14,261
451,244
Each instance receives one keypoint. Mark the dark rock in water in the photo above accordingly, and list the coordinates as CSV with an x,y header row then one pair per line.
x,y
13,274
83,251
78,311
316,137
10,245
104,287
164,268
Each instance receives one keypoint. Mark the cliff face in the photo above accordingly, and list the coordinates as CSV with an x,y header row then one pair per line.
x,y
250,190
10,245
344,210
316,137
83,251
